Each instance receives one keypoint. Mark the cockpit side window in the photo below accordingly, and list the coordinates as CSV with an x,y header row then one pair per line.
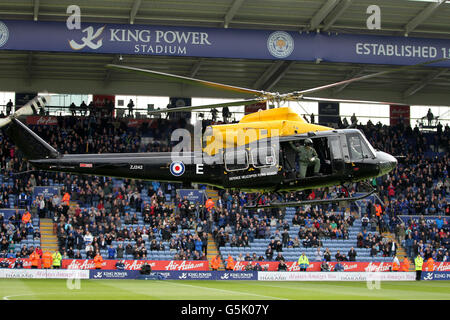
x,y
357,147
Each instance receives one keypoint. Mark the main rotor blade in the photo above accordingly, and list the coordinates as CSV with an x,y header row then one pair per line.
x,y
351,101
186,80
208,106
365,77
30,108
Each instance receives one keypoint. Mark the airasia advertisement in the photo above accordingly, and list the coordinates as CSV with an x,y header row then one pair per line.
x,y
42,120
186,265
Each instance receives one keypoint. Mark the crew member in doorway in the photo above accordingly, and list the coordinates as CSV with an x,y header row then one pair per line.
x,y
307,156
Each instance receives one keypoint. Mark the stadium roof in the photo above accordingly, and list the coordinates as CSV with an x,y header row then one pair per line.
x,y
83,73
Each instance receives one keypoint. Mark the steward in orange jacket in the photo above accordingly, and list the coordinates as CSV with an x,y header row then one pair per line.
x,y
209,204
429,265
47,260
404,266
230,263
26,217
215,262
395,264
66,198
98,260
35,259
378,210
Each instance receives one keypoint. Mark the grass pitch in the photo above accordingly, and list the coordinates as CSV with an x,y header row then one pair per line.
x,y
30,289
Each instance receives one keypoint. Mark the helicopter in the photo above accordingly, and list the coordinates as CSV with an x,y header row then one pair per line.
x,y
263,161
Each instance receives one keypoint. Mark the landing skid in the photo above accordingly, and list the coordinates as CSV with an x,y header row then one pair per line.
x,y
308,202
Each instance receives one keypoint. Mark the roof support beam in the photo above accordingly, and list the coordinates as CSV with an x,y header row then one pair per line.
x,y
115,60
267,74
317,19
353,74
335,14
195,68
232,12
35,10
134,10
423,15
420,85
281,72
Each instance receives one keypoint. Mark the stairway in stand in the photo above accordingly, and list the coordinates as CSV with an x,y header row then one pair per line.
x,y
49,241
213,251
213,194
212,247
401,253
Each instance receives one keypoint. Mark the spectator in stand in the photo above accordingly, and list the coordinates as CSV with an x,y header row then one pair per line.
x,y
352,254
282,266
324,266
111,252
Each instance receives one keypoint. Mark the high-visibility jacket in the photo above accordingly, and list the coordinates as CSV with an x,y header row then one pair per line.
x,y
395,266
378,210
418,261
430,264
35,259
56,259
66,198
98,260
303,260
404,266
230,263
209,204
215,263
26,217
47,260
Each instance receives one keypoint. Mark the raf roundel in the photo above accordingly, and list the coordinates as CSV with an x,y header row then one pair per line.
x,y
177,168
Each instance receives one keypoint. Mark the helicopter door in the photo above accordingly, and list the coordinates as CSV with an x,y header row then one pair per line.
x,y
236,160
337,156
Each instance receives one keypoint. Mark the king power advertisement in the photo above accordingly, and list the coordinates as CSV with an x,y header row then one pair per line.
x,y
220,43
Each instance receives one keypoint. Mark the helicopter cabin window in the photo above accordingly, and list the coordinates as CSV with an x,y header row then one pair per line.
x,y
335,147
263,157
357,147
208,133
236,160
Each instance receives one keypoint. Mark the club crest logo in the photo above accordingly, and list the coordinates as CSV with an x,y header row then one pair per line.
x,y
4,33
177,168
280,44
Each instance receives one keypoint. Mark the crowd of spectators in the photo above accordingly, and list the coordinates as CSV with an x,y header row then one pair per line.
x,y
419,185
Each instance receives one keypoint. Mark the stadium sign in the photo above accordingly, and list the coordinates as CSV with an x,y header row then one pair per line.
x,y
336,276
113,274
46,191
162,265
43,274
220,43
435,276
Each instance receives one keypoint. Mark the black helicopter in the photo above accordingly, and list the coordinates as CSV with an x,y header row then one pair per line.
x,y
266,164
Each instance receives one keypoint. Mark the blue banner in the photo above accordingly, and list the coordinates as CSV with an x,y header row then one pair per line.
x,y
47,192
113,274
193,195
220,43
209,275
428,219
329,114
174,275
7,213
436,275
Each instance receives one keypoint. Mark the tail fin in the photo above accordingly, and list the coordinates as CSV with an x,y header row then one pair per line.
x,y
32,146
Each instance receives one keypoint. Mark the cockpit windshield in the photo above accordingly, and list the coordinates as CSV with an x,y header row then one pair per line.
x,y
358,147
